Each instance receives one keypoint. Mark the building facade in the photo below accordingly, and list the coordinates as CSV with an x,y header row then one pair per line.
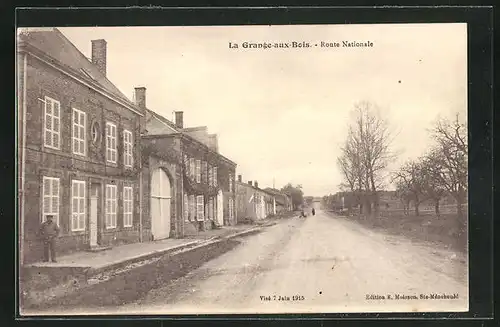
x,y
283,201
189,185
253,203
78,147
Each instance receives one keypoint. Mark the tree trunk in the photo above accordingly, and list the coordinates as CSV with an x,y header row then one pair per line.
x,y
368,206
417,204
436,207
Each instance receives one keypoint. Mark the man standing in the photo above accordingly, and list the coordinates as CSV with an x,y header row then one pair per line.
x,y
49,232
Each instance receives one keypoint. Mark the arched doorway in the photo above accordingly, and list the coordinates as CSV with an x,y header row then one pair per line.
x,y
160,204
220,208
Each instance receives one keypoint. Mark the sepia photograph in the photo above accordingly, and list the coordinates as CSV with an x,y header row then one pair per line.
x,y
265,169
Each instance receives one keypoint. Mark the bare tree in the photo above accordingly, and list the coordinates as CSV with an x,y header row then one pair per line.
x,y
432,185
410,182
369,141
403,195
450,159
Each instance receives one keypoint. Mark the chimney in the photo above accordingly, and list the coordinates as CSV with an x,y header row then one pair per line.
x,y
256,184
239,178
250,183
140,97
99,55
179,119
213,142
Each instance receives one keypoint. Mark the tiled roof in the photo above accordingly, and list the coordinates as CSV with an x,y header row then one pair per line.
x,y
54,44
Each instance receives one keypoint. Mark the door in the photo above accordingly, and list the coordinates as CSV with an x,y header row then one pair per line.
x,y
160,204
94,200
220,208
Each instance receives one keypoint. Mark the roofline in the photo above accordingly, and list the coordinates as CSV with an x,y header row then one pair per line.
x,y
190,138
255,188
163,120
23,46
197,128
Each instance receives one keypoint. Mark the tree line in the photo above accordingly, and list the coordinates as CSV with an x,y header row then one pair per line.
x,y
439,172
367,153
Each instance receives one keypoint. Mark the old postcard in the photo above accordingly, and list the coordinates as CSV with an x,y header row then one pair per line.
x,y
242,169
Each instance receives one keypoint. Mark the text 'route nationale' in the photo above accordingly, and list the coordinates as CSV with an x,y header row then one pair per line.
x,y
302,44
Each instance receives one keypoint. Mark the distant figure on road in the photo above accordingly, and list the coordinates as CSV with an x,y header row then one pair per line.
x,y
48,233
313,211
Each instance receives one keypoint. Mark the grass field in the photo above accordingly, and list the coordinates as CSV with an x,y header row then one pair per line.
x,y
445,230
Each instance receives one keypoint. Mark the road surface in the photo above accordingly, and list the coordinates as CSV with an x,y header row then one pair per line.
x,y
318,264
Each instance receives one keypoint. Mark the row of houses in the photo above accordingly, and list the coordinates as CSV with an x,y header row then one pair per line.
x,y
111,170
254,203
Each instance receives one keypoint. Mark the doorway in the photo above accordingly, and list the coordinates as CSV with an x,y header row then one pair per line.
x,y
220,208
93,226
160,204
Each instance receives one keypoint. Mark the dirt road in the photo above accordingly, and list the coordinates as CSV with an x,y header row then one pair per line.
x,y
319,264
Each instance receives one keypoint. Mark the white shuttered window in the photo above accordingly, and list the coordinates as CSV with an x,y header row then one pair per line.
x,y
198,171
127,206
52,125
111,206
50,198
78,205
79,132
111,152
128,158
200,208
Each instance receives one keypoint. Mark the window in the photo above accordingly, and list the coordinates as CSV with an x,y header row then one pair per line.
x,y
111,142
79,132
186,164
50,198
210,176
127,149
231,208
199,208
110,206
230,182
52,127
191,168
215,176
191,207
211,209
198,171
186,207
78,205
204,171
127,206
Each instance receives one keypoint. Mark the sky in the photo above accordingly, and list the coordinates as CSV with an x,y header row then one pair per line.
x,y
282,114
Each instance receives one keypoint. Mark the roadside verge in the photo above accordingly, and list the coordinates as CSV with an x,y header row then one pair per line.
x,y
126,282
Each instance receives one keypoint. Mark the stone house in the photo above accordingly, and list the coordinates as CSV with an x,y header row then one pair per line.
x,y
78,147
283,201
252,202
188,184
